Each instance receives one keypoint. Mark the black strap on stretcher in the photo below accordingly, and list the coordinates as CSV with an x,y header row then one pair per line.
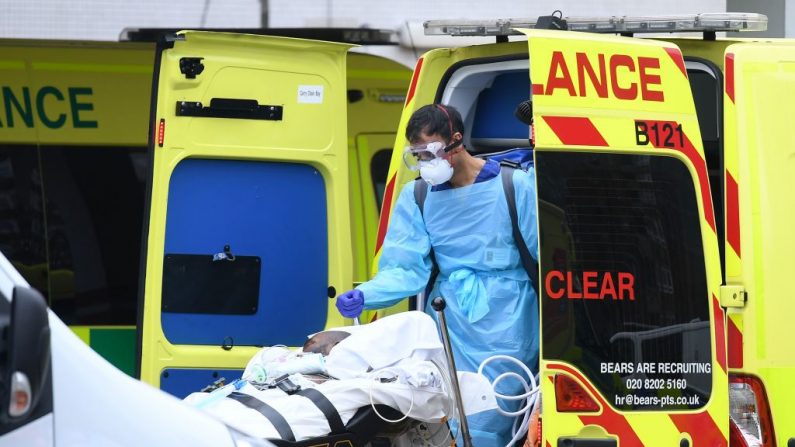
x,y
275,418
280,423
326,407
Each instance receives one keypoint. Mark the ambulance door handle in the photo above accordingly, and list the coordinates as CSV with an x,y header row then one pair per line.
x,y
586,442
230,108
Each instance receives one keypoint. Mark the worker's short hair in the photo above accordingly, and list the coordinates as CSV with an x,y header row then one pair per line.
x,y
434,119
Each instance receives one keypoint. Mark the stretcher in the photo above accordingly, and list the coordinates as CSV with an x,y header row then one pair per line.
x,y
366,428
296,410
405,403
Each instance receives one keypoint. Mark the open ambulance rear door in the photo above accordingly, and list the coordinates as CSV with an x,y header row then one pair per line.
x,y
632,345
759,146
248,225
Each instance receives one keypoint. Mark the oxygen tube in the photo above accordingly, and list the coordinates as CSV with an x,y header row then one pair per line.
x,y
528,398
222,392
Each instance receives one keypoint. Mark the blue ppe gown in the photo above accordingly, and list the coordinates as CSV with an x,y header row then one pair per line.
x,y
491,305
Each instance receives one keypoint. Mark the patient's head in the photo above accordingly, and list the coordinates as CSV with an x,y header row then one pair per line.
x,y
322,342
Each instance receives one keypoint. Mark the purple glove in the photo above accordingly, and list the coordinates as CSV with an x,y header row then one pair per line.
x,y
351,303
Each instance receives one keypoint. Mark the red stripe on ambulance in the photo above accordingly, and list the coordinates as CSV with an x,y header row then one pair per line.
x,y
732,213
413,85
702,429
613,422
676,55
670,135
574,130
720,334
728,71
735,346
384,220
703,180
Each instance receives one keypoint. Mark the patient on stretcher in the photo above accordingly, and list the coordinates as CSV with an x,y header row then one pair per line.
x,y
280,397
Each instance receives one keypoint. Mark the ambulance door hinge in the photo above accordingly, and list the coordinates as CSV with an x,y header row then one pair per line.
x,y
191,66
732,296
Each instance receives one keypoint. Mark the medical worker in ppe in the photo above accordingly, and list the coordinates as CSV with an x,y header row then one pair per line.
x,y
491,304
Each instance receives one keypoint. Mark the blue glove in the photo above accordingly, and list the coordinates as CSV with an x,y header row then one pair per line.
x,y
351,303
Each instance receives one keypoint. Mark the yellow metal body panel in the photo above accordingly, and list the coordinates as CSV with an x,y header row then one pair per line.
x,y
703,49
83,332
372,119
378,90
364,206
265,69
59,92
631,74
760,160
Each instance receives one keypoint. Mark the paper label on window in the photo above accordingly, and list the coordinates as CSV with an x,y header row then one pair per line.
x,y
310,94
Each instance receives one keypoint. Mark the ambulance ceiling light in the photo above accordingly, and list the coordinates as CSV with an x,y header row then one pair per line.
x,y
709,22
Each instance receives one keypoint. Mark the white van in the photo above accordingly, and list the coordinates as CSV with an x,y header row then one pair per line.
x,y
55,390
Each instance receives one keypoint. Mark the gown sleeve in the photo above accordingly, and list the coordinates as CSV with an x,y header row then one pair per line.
x,y
405,264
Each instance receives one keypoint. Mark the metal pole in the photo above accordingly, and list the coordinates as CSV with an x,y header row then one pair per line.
x,y
421,301
438,305
263,14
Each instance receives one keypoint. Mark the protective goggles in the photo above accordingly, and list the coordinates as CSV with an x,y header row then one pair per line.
x,y
415,154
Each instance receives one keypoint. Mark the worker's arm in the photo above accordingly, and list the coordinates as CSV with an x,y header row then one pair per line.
x,y
405,265
524,184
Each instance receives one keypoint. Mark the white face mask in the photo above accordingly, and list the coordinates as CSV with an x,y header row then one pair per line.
x,y
436,171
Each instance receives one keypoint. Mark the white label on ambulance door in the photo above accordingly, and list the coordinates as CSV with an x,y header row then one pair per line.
x,y
310,94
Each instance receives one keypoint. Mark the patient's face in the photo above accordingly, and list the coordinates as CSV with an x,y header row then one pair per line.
x,y
322,342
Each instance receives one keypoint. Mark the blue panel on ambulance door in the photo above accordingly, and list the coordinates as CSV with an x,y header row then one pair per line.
x,y
181,382
274,211
494,112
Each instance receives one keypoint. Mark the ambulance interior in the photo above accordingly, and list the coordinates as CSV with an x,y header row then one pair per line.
x,y
487,94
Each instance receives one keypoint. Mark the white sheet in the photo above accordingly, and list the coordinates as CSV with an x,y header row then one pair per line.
x,y
386,342
418,392
405,346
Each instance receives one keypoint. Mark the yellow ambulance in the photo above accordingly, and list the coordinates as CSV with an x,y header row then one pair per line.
x,y
648,160
74,127
664,169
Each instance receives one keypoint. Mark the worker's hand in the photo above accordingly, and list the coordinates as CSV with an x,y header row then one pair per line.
x,y
351,303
